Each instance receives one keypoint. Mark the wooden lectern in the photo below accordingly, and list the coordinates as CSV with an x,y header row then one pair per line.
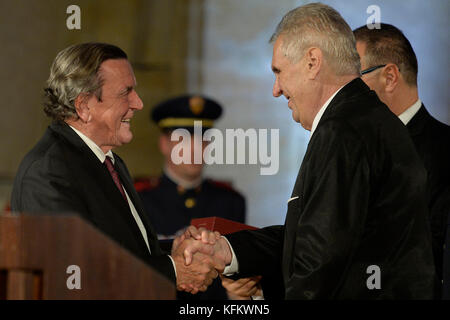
x,y
39,255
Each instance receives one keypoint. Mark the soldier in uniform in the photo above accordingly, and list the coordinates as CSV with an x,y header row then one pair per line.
x,y
181,193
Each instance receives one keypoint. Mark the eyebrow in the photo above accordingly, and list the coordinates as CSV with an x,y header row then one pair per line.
x,y
127,90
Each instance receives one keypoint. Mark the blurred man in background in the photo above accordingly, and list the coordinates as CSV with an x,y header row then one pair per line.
x,y
389,67
181,193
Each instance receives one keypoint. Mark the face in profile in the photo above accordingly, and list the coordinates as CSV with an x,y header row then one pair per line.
x,y
110,118
292,82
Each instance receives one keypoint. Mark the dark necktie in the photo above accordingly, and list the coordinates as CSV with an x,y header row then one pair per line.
x,y
115,176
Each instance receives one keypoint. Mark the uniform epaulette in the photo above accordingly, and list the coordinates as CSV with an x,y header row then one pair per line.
x,y
142,184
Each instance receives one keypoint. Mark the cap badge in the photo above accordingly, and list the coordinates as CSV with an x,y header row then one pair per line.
x,y
196,104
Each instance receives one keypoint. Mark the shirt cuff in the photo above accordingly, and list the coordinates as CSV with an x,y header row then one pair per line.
x,y
233,267
174,267
261,297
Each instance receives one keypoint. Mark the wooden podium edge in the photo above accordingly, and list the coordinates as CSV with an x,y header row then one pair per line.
x,y
27,257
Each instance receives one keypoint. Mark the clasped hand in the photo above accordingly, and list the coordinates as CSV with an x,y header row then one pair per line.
x,y
199,256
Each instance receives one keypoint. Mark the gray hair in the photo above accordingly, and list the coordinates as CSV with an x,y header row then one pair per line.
x,y
75,70
320,26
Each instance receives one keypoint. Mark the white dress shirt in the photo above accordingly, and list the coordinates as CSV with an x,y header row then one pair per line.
x,y
409,113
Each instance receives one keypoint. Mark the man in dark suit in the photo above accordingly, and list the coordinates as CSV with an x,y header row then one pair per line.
x,y
91,98
390,69
356,225
182,193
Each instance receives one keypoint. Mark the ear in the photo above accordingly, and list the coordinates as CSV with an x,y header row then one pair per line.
x,y
314,59
391,77
82,107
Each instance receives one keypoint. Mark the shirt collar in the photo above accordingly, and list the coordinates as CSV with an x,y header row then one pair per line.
x,y
321,112
409,113
94,147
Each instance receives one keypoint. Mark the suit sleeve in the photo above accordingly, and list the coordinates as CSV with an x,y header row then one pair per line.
x,y
330,214
258,251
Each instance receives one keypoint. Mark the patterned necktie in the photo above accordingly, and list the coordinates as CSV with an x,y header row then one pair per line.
x,y
115,176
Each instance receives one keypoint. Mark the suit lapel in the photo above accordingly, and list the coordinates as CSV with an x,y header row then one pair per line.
x,y
417,123
100,176
92,165
347,93
134,197
296,205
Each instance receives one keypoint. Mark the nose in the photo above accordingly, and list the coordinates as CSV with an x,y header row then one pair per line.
x,y
135,101
276,91
197,143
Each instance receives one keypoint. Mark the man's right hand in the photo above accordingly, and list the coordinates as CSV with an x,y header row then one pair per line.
x,y
222,251
196,260
199,256
200,273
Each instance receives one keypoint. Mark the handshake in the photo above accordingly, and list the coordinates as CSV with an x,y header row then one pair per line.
x,y
199,256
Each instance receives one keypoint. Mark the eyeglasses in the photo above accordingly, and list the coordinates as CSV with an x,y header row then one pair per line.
x,y
372,69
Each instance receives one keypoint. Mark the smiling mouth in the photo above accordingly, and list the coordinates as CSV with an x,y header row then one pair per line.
x,y
126,120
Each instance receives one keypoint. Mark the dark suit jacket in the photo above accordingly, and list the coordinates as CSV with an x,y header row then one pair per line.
x,y
432,141
359,200
61,174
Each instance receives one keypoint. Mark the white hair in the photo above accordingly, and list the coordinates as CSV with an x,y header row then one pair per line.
x,y
318,25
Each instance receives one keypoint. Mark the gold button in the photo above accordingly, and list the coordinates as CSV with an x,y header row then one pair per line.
x,y
189,203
